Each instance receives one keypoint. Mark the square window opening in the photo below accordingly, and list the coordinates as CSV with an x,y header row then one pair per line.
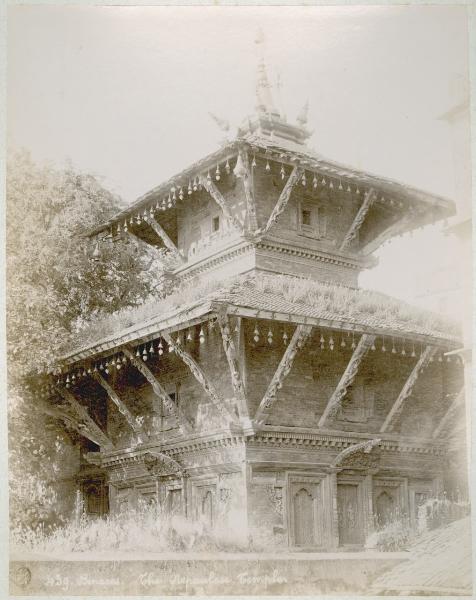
x,y
215,224
306,217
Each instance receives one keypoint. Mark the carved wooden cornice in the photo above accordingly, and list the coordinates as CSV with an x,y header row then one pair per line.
x,y
359,219
83,421
407,389
181,420
233,363
449,414
354,262
347,378
318,441
300,335
202,379
283,199
220,200
122,408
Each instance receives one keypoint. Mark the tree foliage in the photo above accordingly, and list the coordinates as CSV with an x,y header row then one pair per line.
x,y
53,284
53,288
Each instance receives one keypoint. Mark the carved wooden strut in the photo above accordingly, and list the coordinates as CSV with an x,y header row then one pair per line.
x,y
202,379
283,199
82,420
181,420
122,408
168,243
449,414
347,378
359,219
300,335
407,389
220,200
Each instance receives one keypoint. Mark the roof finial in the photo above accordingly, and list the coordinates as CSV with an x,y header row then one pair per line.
x,y
264,97
303,114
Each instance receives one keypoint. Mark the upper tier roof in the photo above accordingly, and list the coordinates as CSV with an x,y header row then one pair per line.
x,y
263,140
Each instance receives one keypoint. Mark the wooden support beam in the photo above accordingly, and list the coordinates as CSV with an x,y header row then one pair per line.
x,y
233,363
202,379
86,424
181,420
131,421
283,199
251,218
365,447
300,335
359,219
407,389
347,378
162,234
220,200
391,231
449,414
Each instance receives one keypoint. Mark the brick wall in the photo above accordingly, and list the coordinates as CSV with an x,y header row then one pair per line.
x,y
315,374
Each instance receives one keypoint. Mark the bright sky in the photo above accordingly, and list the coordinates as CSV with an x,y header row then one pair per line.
x,y
124,92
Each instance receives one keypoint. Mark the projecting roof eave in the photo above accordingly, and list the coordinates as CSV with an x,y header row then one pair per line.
x,y
285,150
200,311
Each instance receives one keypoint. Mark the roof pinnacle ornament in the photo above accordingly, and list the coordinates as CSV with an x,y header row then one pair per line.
x,y
303,114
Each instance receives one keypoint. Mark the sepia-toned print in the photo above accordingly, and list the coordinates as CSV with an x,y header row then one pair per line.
x,y
237,366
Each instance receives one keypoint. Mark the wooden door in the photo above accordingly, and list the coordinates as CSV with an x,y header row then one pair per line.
x,y
207,508
175,502
351,530
304,515
385,508
304,525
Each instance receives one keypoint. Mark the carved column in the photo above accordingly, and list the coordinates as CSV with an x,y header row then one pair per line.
x,y
332,499
233,363
252,220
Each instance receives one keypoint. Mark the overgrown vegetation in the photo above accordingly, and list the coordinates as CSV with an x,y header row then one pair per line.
x,y
398,534
145,529
338,301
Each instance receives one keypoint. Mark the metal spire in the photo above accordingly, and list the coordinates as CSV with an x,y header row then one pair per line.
x,y
264,96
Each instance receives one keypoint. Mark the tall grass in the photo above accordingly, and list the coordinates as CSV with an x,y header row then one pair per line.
x,y
145,529
337,300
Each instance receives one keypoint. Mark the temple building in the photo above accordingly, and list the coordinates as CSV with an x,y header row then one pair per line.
x,y
267,389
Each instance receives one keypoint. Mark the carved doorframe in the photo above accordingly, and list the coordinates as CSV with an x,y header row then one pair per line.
x,y
199,488
321,503
360,481
401,483
419,486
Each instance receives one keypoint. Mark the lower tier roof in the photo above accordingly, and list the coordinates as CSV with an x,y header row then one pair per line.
x,y
263,296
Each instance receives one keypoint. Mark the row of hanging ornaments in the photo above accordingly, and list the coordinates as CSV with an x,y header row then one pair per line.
x,y
147,350
194,185
331,344
143,351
